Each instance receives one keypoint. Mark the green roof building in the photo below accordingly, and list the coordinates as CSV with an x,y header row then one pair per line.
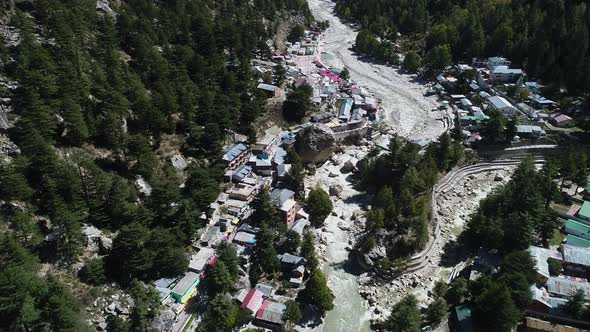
x,y
577,228
577,241
584,212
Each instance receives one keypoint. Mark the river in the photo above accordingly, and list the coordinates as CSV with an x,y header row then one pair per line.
x,y
407,111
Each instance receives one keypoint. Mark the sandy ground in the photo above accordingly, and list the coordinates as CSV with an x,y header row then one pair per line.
x,y
407,111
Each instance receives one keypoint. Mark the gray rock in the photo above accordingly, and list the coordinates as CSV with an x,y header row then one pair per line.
x,y
102,326
179,162
349,166
332,175
498,178
316,143
335,190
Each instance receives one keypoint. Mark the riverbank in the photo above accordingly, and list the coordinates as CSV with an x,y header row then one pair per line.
x,y
407,111
336,238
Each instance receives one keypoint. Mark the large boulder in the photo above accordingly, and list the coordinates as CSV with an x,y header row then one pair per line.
x,y
335,190
315,143
349,165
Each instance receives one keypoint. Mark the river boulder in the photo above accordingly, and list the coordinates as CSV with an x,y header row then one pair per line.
x,y
315,143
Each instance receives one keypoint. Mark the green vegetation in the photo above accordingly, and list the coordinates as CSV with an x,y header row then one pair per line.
x,y
317,293
402,180
550,38
405,316
412,62
298,103
319,205
555,267
509,218
102,100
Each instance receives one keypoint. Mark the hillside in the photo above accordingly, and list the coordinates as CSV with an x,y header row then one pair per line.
x,y
113,117
548,38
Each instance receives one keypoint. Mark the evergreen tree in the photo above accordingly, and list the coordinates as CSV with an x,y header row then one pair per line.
x,y
319,205
405,316
317,293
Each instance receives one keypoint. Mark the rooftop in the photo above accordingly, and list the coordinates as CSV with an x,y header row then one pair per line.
x,y
253,300
280,196
576,255
233,151
287,258
200,259
244,237
267,87
265,289
566,286
585,210
577,228
573,240
185,283
271,312
499,102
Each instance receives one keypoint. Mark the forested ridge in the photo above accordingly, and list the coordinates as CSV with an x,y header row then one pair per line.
x,y
101,99
548,38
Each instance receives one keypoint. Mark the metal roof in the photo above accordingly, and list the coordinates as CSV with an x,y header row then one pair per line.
x,y
575,241
271,312
185,283
576,255
233,151
577,228
566,286
585,210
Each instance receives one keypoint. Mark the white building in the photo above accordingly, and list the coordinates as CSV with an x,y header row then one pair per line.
x,y
504,74
496,61
502,105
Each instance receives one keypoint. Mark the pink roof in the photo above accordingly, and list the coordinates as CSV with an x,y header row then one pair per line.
x,y
573,210
329,74
261,310
253,300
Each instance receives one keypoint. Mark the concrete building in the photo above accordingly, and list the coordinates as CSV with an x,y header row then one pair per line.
x,y
502,105
186,287
526,131
235,156
503,74
562,121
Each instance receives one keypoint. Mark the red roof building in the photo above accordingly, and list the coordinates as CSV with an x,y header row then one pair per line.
x,y
253,300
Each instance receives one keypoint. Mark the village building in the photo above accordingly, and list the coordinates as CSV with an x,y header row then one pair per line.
x,y
562,120
504,74
576,260
541,102
290,262
199,261
564,286
577,228
528,131
270,315
576,241
235,156
252,301
284,200
243,192
584,212
265,289
245,239
186,287
501,104
270,90
270,140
